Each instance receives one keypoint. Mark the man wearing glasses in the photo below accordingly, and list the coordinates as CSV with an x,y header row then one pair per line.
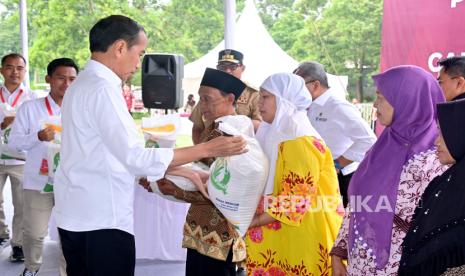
x,y
12,95
452,78
231,62
340,124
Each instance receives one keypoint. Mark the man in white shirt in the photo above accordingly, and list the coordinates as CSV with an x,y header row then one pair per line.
x,y
12,95
28,134
451,78
102,152
339,123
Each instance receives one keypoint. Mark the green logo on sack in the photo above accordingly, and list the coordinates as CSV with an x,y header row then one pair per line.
x,y
56,161
151,144
48,188
221,175
6,134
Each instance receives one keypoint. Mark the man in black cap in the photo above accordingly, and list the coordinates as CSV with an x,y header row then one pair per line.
x,y
231,62
213,245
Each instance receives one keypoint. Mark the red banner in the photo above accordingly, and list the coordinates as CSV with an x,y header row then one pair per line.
x,y
421,32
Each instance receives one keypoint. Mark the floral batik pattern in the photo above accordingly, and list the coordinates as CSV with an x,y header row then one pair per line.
x,y
298,241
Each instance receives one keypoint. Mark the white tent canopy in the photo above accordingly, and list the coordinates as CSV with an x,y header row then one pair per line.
x,y
262,56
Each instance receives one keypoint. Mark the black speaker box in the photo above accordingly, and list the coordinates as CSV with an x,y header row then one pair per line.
x,y
162,81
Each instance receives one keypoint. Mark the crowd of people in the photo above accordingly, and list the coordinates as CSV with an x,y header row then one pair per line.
x,y
360,205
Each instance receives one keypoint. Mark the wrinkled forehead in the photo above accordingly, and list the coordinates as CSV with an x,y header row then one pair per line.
x,y
209,91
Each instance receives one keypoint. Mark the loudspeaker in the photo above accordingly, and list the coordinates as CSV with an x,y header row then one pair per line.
x,y
162,81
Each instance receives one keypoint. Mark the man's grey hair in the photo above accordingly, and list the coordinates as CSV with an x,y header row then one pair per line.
x,y
310,70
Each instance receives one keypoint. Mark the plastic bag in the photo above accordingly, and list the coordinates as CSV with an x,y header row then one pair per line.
x,y
53,160
8,153
161,132
53,150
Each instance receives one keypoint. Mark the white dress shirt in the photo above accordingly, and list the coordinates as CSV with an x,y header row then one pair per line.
x,y
10,98
101,153
342,127
24,137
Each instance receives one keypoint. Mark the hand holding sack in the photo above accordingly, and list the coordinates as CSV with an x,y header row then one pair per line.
x,y
161,132
6,152
180,181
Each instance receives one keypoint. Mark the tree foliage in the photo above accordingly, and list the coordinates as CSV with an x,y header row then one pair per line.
x,y
344,35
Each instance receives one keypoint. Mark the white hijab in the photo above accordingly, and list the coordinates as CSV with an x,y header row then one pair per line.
x,y
290,121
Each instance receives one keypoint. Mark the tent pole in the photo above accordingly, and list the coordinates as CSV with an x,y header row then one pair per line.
x,y
24,38
229,23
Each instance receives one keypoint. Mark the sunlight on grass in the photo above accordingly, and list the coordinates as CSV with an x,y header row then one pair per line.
x,y
184,141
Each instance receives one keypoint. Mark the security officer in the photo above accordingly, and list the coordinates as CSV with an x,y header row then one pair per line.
x,y
340,124
231,62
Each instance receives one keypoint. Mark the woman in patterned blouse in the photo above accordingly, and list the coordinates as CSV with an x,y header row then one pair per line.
x,y
388,184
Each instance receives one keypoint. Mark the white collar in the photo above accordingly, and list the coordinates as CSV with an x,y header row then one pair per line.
x,y
102,69
323,98
52,102
21,86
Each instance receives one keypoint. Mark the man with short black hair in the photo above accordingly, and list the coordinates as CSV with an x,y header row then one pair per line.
x,y
28,134
12,94
339,123
231,62
101,153
452,78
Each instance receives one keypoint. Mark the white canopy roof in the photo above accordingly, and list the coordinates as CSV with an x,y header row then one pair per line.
x,y
262,56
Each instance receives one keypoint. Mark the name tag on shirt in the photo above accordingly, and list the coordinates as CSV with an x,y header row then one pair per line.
x,y
320,118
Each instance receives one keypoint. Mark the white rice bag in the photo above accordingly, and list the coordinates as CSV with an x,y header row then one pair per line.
x,y
182,182
236,182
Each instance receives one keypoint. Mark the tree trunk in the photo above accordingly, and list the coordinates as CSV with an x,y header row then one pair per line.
x,y
360,86
359,83
361,78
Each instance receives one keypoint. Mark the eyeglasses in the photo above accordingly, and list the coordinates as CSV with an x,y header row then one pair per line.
x,y
12,68
225,67
440,81
310,81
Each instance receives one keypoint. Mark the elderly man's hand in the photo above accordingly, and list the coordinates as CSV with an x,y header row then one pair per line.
x,y
146,184
166,187
226,146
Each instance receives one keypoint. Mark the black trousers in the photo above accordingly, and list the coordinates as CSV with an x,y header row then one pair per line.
x,y
201,265
98,253
344,181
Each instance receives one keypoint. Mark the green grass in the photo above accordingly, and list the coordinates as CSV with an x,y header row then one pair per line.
x,y
137,116
184,141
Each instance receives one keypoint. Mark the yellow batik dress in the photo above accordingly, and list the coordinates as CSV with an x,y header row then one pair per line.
x,y
308,210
